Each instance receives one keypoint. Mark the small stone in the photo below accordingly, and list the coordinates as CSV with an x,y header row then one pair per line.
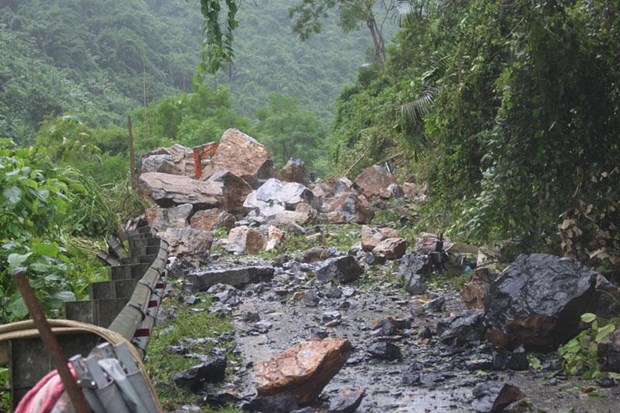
x,y
385,351
346,401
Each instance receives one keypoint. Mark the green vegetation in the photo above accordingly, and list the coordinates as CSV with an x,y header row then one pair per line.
x,y
508,110
44,212
581,353
190,327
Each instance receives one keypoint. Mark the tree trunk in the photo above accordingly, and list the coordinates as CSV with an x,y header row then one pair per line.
x,y
377,39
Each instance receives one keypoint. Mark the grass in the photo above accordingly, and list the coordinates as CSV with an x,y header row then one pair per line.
x,y
190,323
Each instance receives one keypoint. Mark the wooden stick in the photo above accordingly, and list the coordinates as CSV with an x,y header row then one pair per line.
x,y
51,344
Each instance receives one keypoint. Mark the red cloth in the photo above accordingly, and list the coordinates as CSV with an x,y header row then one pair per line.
x,y
44,395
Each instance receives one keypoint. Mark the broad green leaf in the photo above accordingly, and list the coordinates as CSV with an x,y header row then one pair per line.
x,y
588,317
17,308
65,296
13,195
16,260
604,332
46,249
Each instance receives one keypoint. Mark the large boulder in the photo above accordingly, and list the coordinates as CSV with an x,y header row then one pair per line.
x,y
303,370
175,160
293,171
537,302
275,196
212,219
242,155
238,276
373,181
173,217
188,244
243,239
222,189
343,269
347,207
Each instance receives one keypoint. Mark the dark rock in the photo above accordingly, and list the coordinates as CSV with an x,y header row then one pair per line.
x,y
211,371
385,351
346,401
435,304
479,364
177,350
202,280
414,270
606,382
537,302
373,259
310,299
515,360
281,403
425,333
343,269
609,352
462,329
493,397
333,292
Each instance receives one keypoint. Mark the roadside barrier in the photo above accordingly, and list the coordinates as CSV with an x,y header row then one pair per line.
x,y
116,321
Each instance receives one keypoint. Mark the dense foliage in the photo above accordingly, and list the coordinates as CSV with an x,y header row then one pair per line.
x,y
43,209
511,109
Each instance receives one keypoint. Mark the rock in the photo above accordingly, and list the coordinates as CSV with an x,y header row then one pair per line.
x,y
513,360
475,290
293,171
391,248
414,269
173,217
461,330
415,284
243,156
212,219
494,397
243,239
346,401
211,371
275,196
275,236
370,237
238,276
302,370
175,160
234,190
537,302
435,305
349,207
410,189
428,242
319,254
223,190
385,350
609,352
187,244
281,403
344,269
343,184
371,181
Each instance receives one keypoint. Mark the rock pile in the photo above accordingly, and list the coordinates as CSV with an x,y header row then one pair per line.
x,y
238,187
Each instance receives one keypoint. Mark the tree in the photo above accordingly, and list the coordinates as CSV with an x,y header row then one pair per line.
x,y
353,13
